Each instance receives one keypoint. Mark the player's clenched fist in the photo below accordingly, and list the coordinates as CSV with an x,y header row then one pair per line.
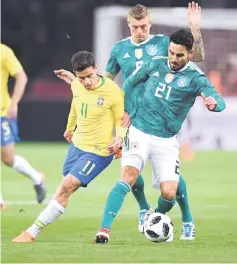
x,y
68,136
210,102
115,144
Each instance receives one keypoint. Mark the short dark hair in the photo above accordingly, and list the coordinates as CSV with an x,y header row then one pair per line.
x,y
82,60
183,37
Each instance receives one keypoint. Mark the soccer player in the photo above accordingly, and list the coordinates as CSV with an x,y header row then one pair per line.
x,y
128,55
97,105
10,65
171,87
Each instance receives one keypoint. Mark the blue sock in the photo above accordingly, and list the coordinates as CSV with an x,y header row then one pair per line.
x,y
138,192
114,202
182,199
164,205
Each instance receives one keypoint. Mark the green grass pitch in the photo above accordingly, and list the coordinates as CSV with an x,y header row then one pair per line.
x,y
212,187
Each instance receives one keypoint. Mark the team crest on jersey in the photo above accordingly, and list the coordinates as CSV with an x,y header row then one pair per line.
x,y
182,81
138,53
169,77
100,101
152,50
134,145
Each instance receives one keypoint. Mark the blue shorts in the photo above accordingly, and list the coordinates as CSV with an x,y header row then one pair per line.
x,y
9,131
85,166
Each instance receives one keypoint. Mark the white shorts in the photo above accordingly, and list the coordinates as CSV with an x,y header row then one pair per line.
x,y
163,154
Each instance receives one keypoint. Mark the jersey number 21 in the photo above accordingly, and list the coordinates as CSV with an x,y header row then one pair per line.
x,y
163,91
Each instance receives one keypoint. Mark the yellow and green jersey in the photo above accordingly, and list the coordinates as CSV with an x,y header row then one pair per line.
x,y
10,65
94,113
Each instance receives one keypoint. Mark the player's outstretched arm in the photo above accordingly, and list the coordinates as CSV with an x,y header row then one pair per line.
x,y
64,75
110,75
194,16
140,75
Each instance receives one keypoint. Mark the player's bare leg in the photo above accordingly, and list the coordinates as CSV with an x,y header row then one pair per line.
x,y
186,152
139,194
115,201
18,163
53,210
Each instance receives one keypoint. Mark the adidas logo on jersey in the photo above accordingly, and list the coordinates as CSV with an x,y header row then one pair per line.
x,y
156,74
126,56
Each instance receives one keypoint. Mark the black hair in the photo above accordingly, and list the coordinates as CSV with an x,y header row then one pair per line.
x,y
183,37
82,60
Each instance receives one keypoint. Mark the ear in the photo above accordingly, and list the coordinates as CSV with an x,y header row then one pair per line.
x,y
191,52
128,21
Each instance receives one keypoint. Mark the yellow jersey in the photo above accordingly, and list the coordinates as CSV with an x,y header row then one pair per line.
x,y
94,113
10,65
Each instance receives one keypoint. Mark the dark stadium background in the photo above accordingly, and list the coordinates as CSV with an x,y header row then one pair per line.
x,y
44,34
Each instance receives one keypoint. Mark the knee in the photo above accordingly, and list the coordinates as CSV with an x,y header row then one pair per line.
x,y
129,175
69,185
168,190
7,159
66,190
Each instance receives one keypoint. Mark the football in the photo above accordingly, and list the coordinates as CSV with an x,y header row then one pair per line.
x,y
158,227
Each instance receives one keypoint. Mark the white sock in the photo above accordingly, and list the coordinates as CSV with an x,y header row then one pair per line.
x,y
1,199
49,214
24,167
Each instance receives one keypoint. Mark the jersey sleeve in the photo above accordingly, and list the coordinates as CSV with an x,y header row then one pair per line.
x,y
72,118
140,75
11,63
118,112
112,65
166,42
205,87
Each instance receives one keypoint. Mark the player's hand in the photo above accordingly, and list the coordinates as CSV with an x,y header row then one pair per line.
x,y
194,14
12,111
126,120
67,76
115,144
118,153
68,136
210,102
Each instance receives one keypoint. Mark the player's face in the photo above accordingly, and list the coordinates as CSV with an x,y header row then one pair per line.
x,y
88,77
140,29
178,56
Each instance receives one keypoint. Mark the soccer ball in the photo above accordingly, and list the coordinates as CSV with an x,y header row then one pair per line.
x,y
158,227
